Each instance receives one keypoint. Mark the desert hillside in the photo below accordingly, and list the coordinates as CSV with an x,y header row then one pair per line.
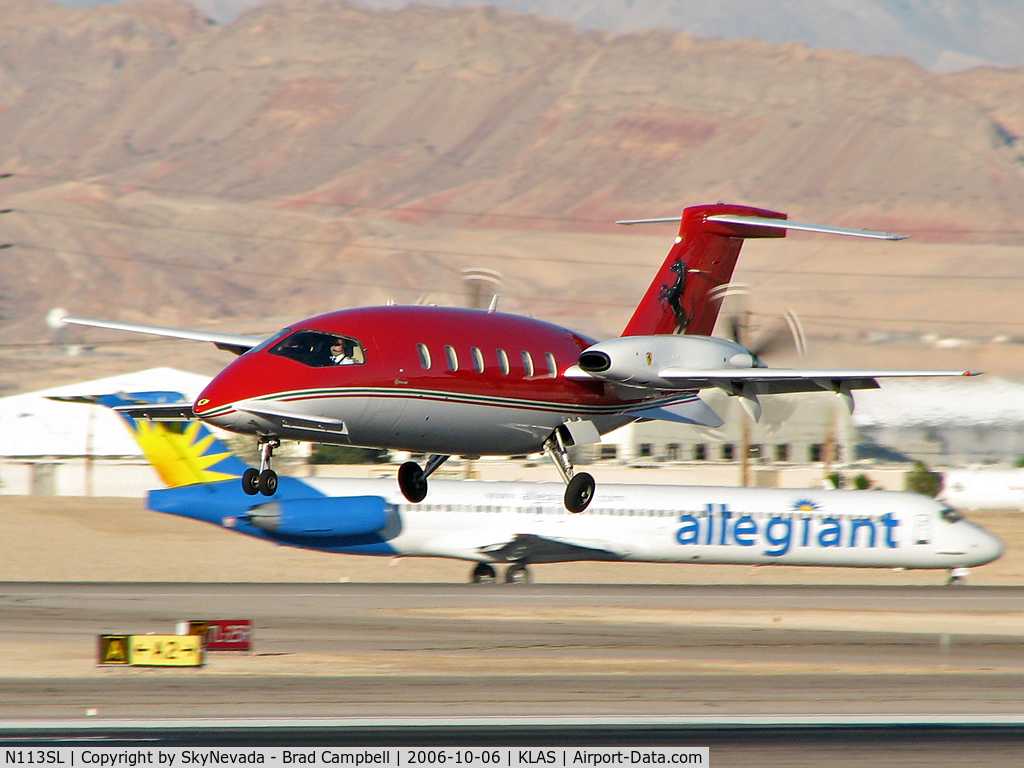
x,y
311,156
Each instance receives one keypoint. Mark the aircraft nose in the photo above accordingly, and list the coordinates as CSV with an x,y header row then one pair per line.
x,y
215,401
994,546
986,546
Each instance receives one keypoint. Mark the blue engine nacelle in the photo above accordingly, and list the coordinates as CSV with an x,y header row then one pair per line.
x,y
323,518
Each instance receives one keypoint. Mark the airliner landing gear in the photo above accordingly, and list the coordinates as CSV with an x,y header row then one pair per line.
x,y
579,489
483,574
517,573
413,480
957,577
264,479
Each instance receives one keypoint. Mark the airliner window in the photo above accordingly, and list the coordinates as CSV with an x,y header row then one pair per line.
x,y
503,362
318,349
424,356
478,359
950,515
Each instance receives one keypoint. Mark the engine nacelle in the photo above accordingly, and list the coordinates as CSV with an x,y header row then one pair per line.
x,y
638,360
323,518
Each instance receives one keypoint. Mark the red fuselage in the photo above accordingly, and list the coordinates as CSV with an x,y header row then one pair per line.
x,y
424,379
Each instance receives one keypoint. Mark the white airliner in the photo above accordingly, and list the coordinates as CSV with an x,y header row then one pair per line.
x,y
520,523
982,488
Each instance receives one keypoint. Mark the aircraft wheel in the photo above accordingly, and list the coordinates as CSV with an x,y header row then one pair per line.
x,y
579,492
483,574
412,482
517,574
251,481
268,482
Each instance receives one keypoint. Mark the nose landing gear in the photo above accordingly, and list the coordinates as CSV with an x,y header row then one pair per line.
x,y
579,489
413,480
264,479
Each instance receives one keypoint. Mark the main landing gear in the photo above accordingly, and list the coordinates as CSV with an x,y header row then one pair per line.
x,y
413,480
517,573
264,479
579,489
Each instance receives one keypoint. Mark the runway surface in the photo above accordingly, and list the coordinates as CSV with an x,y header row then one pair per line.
x,y
456,651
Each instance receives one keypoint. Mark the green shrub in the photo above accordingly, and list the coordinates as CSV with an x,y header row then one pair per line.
x,y
922,480
861,482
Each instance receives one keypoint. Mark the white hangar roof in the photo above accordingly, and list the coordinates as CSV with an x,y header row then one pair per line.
x,y
31,425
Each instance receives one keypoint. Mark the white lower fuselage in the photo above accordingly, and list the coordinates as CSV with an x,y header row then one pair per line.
x,y
691,524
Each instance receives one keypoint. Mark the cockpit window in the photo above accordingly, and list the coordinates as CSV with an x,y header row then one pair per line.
x,y
320,350
270,340
950,515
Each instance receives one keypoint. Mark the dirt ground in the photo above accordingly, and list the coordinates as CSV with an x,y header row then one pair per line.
x,y
51,538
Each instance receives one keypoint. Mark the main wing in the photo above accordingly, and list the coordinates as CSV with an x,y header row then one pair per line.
x,y
670,363
227,341
544,549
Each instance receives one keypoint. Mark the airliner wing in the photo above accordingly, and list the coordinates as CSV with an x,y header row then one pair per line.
x,y
227,341
543,549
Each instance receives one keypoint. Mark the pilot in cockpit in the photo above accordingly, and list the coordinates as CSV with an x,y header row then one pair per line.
x,y
341,352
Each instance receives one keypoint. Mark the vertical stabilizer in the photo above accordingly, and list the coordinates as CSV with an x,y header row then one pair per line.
x,y
181,453
685,295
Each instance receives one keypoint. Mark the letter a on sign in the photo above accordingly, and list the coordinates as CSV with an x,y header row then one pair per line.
x,y
113,649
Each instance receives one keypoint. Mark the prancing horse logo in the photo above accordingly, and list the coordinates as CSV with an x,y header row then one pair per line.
x,y
673,296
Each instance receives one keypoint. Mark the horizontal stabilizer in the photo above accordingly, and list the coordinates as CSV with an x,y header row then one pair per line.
x,y
162,412
773,223
227,341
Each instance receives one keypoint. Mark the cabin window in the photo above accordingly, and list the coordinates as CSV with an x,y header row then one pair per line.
x,y
453,358
700,452
727,452
552,365
815,452
782,452
527,363
424,356
478,359
319,349
646,449
672,451
609,451
503,365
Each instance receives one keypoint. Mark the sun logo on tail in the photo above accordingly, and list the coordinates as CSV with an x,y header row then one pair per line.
x,y
180,455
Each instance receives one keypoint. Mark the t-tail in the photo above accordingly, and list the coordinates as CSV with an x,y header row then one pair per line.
x,y
183,453
687,291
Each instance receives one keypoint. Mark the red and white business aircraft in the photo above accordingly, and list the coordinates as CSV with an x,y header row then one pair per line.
x,y
445,381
